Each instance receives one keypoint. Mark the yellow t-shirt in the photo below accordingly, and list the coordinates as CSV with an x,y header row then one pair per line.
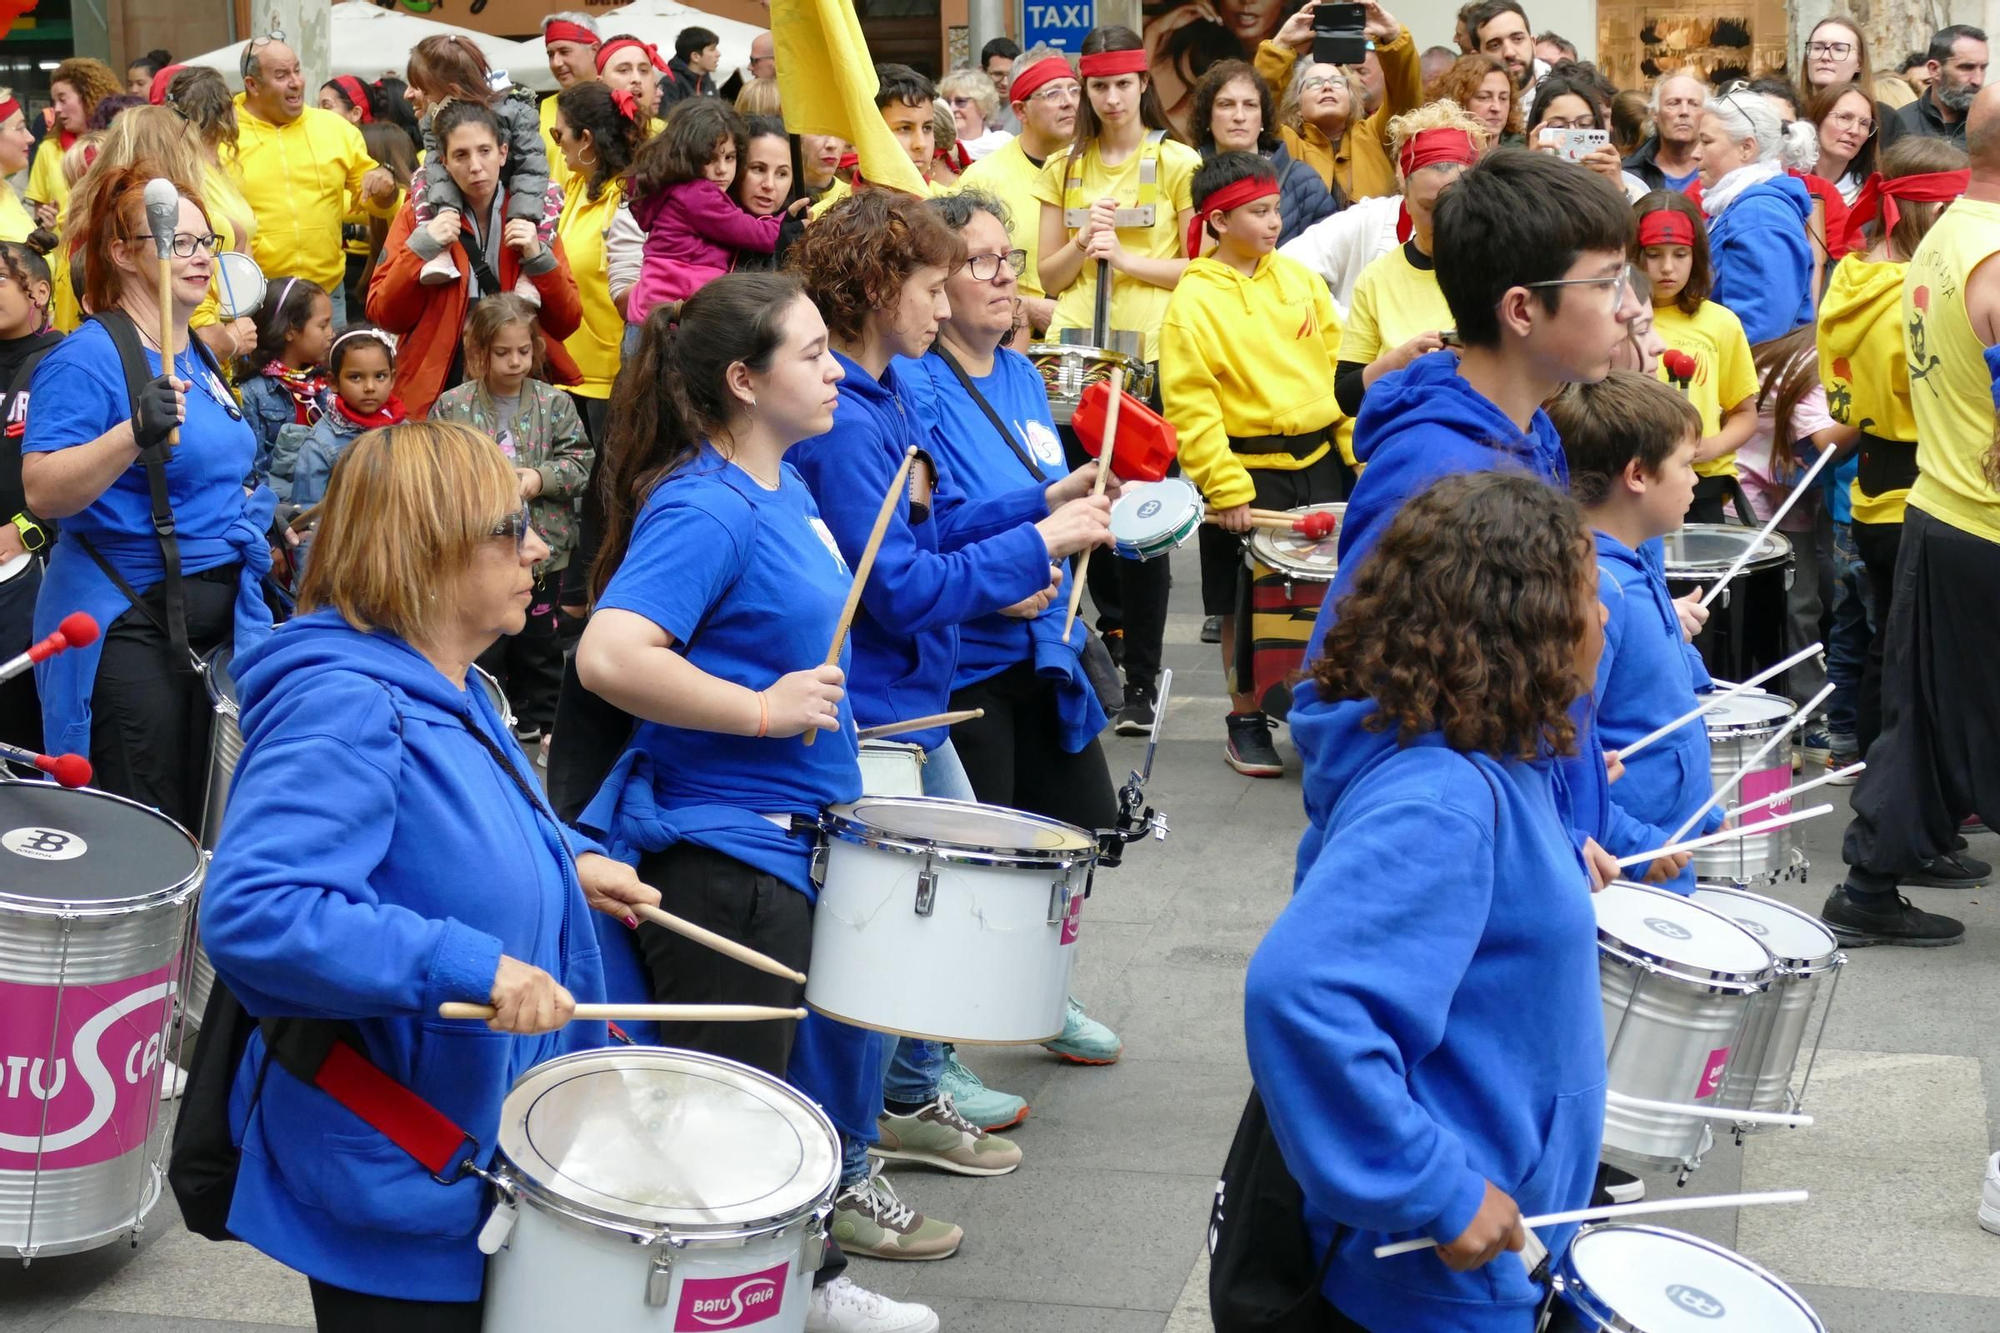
x,y
1009,175
1862,366
1394,301
1725,372
581,227
1136,306
15,219
1950,386
45,178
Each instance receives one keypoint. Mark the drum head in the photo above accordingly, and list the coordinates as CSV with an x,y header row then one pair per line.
x,y
1292,553
653,1138
1150,511
1711,548
1755,711
239,285
1654,923
965,827
1667,1282
220,683
1788,933
89,851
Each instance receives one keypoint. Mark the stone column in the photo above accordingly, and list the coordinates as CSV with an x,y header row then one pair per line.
x,y
308,29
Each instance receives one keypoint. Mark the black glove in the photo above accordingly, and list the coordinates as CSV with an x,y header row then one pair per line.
x,y
155,413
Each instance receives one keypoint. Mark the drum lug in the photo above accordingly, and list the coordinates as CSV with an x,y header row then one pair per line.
x,y
817,869
660,1277
813,1252
1058,901
927,882
499,1225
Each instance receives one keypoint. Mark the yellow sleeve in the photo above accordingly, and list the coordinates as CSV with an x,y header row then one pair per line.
x,y
1274,66
1193,402
1331,335
1736,378
1362,339
45,182
1178,164
1048,187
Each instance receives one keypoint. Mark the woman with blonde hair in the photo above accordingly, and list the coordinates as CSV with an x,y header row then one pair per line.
x,y
759,97
1321,118
975,109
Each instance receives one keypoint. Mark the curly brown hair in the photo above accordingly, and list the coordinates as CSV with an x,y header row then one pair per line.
x,y
91,80
1466,618
1461,79
857,257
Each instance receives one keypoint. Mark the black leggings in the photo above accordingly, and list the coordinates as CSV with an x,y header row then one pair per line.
x,y
1876,544
338,1310
1015,758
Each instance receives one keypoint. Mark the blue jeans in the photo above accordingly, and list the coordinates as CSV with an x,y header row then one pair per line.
x,y
1852,631
338,296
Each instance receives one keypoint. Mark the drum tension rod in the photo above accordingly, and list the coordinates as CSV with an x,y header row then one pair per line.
x,y
927,882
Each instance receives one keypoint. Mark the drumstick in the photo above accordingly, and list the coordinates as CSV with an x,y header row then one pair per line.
x,y
918,724
866,563
1103,475
1750,765
1317,526
1711,702
645,1013
1798,489
1618,1210
1726,835
722,944
1790,792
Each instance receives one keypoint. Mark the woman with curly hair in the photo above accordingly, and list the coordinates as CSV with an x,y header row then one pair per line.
x,y
1436,886
76,86
1481,84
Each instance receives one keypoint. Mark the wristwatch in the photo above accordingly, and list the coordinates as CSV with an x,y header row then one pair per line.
x,y
33,537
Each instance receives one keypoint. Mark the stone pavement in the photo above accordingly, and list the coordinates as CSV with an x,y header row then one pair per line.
x,y
1101,1229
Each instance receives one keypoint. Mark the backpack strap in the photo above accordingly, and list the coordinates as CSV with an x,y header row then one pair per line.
x,y
1076,209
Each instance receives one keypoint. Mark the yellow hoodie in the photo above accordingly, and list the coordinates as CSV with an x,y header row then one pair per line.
x,y
1246,356
301,179
1863,362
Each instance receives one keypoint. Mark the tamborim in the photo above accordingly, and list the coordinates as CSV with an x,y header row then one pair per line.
x,y
1151,518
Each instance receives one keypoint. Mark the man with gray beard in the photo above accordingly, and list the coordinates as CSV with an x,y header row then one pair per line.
x,y
1957,68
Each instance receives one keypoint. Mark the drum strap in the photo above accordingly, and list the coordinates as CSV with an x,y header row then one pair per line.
x,y
965,381
399,1115
1076,209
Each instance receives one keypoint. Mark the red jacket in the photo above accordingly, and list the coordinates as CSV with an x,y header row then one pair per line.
x,y
428,321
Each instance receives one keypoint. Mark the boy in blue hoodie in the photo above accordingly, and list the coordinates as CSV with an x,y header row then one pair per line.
x,y
1630,441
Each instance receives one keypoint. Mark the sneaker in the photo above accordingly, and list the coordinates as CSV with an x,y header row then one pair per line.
x,y
938,1135
1250,750
1953,870
1817,747
173,1081
439,272
1893,922
1840,759
1973,824
1084,1040
1211,629
988,1108
1989,1197
1619,1185
528,733
869,1219
1136,717
841,1307
1114,643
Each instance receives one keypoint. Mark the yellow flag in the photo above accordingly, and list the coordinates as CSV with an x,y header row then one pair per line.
x,y
827,83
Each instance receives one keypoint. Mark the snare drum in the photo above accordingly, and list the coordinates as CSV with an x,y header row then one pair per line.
x,y
1278,596
1737,730
1678,981
1068,368
1625,1278
1746,627
643,1190
1760,1074
1152,518
892,768
95,894
973,908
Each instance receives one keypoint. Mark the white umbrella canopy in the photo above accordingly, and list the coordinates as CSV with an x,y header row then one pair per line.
x,y
660,21
369,41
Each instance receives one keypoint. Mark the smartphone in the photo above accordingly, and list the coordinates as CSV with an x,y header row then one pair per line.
x,y
1449,337
1340,34
1576,145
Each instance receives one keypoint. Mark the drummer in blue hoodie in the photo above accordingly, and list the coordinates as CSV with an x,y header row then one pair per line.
x,y
1757,214
1423,1020
385,851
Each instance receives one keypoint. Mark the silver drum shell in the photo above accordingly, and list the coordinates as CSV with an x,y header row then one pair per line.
x,y
1761,858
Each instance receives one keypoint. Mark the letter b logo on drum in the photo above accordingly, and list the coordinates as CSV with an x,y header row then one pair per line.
x,y
43,844
1673,930
1149,508
742,1301
1695,1301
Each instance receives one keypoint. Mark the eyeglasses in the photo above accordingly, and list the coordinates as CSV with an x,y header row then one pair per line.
x,y
1619,287
517,526
985,268
962,101
186,243
1832,50
250,50
1848,120
1319,81
1057,94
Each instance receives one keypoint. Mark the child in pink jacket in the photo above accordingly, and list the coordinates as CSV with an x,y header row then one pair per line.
x,y
680,196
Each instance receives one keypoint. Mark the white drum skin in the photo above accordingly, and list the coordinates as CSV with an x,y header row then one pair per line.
x,y
1152,518
1299,558
991,958
892,768
1678,981
1627,1278
1735,732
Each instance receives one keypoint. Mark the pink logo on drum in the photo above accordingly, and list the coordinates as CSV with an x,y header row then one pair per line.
x,y
1766,782
1712,1072
731,1302
79,1069
1072,920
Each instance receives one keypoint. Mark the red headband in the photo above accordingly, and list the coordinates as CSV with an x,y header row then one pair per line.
x,y
156,91
1108,64
1233,195
616,44
1879,196
627,105
562,30
8,106
1666,227
1038,76
356,94
1427,148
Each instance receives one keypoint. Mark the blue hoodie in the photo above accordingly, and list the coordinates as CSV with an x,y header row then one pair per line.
x,y
376,862
1424,1017
1647,677
968,559
1763,260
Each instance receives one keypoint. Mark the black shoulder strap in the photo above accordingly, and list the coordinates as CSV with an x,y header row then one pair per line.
x,y
132,357
482,272
965,381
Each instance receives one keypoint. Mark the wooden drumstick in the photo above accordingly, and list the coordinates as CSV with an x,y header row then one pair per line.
x,y
1104,451
722,944
919,724
867,563
646,1013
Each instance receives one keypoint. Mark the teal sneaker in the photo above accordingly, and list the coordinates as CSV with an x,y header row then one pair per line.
x,y
988,1108
1085,1041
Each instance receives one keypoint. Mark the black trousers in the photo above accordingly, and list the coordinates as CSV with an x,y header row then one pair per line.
x,y
20,705
529,665
1934,760
590,528
1130,595
338,1310
1712,495
150,714
1876,544
1015,758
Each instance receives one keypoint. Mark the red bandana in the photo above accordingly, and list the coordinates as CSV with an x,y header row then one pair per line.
x,y
307,388
628,105
1879,196
1038,76
617,44
1427,148
1666,227
156,92
562,30
390,413
8,106
1234,195
1110,64
356,95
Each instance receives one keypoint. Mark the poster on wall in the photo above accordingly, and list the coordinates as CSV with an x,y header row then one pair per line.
x,y
1716,42
1185,37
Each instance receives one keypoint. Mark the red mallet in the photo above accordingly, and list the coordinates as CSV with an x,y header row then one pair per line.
x,y
1316,526
71,770
1680,365
77,630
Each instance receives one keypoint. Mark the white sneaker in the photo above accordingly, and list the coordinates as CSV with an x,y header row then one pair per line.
x,y
173,1081
841,1307
1989,1196
439,272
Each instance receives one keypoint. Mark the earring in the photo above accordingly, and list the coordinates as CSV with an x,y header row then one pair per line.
x,y
590,161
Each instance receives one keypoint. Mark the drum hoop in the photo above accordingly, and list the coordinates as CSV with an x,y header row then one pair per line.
x,y
1574,1287
841,823
1744,983
166,896
1791,965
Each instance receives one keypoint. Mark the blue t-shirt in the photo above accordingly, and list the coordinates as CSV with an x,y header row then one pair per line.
x,y
750,584
1679,184
79,394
